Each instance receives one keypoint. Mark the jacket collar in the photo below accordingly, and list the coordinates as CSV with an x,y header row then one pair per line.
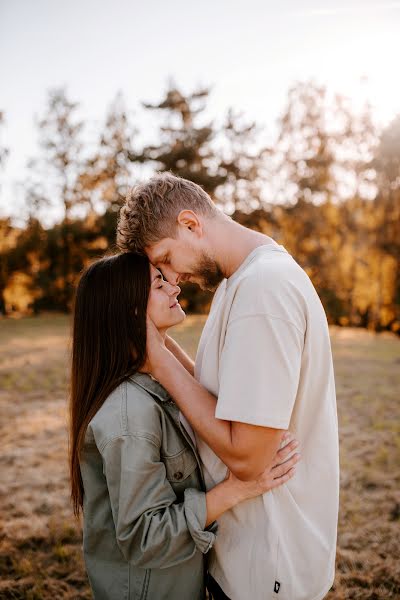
x,y
148,383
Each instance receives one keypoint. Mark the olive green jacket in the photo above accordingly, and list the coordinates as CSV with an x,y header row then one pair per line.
x,y
144,511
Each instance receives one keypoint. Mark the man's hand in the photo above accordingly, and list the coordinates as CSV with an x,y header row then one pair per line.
x,y
284,463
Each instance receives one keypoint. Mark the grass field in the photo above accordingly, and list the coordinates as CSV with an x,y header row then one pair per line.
x,y
40,543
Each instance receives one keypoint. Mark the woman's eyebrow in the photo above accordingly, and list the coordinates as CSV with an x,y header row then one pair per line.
x,y
159,276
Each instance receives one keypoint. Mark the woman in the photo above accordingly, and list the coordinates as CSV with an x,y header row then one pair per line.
x,y
147,520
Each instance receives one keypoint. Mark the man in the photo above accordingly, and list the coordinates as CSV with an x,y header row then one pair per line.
x,y
263,365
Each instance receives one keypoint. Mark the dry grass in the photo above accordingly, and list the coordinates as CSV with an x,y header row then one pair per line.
x,y
40,543
367,370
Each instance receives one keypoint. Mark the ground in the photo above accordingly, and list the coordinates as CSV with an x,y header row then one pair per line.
x,y
40,542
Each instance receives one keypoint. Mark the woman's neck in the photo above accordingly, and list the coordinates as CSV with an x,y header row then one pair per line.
x,y
163,333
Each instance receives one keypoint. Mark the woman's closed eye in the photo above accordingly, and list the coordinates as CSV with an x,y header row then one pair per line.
x,y
159,282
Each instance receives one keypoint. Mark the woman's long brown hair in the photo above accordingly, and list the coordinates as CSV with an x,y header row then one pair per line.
x,y
108,343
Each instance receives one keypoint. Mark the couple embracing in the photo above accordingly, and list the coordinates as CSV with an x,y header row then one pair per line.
x,y
220,474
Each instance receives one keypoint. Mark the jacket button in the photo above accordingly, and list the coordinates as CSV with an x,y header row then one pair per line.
x,y
178,475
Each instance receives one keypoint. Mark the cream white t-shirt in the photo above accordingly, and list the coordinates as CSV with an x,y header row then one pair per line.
x,y
265,353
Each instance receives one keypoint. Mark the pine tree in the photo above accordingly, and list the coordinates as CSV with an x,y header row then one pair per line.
x,y
217,159
107,174
245,161
184,146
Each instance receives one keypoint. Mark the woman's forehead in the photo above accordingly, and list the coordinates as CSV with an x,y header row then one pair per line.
x,y
154,272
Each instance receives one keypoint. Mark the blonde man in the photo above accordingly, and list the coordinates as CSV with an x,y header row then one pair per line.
x,y
263,365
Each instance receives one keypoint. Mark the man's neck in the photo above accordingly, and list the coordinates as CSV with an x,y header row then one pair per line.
x,y
235,244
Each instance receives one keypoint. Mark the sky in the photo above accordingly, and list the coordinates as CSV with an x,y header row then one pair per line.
x,y
249,53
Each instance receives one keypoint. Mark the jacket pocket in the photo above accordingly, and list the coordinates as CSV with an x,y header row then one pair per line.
x,y
179,466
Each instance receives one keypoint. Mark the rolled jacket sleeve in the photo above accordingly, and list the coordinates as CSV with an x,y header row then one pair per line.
x,y
153,530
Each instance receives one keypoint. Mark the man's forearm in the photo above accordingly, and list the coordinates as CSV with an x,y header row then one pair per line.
x,y
197,404
180,354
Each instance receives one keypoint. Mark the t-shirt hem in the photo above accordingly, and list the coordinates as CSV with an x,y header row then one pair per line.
x,y
325,590
261,421
222,582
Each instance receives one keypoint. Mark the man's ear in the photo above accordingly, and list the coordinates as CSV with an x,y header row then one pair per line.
x,y
188,219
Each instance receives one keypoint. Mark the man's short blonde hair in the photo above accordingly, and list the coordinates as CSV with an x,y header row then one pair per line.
x,y
151,209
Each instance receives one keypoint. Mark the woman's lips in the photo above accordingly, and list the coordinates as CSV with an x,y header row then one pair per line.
x,y
175,305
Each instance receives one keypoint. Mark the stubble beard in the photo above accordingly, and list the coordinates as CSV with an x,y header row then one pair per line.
x,y
208,273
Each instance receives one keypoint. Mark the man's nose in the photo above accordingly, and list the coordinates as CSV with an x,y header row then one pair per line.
x,y
171,276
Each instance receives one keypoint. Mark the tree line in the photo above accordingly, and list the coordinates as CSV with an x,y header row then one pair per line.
x,y
326,185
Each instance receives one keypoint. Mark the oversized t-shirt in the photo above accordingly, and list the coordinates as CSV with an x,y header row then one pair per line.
x,y
265,354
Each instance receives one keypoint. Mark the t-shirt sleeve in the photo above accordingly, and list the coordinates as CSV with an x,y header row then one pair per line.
x,y
259,371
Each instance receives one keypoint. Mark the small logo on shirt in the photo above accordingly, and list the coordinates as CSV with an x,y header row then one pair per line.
x,y
277,587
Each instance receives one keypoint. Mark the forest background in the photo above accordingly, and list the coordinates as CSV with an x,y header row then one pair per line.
x,y
327,188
